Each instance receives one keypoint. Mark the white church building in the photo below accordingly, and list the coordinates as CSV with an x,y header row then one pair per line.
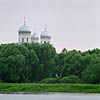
x,y
25,35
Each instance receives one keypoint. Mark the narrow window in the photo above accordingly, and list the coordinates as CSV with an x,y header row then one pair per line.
x,y
27,39
22,39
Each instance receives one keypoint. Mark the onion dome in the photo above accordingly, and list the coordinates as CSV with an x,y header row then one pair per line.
x,y
34,36
45,34
24,28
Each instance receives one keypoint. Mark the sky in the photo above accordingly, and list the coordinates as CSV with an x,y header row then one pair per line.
x,y
72,24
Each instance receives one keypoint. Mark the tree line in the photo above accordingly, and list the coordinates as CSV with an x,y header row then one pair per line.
x,y
33,62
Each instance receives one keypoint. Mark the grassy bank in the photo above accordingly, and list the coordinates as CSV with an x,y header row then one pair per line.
x,y
33,88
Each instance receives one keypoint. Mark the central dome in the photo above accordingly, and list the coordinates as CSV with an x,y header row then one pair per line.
x,y
24,29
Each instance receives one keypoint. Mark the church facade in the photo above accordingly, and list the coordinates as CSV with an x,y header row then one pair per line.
x,y
25,35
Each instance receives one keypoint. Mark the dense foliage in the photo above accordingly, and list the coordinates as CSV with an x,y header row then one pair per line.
x,y
33,62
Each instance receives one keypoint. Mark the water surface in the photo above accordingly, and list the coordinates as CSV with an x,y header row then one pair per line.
x,y
50,96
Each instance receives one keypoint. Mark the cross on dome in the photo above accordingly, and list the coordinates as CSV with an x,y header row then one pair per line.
x,y
45,27
34,31
24,21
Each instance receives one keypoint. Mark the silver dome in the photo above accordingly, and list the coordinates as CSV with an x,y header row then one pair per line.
x,y
34,36
24,29
45,34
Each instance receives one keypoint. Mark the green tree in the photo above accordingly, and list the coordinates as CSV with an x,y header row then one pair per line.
x,y
33,63
92,72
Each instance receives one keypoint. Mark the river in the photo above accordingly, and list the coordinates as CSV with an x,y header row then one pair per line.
x,y
50,96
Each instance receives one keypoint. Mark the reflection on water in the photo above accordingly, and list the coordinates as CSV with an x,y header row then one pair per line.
x,y
50,96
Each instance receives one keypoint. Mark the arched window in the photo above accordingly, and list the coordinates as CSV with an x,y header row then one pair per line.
x,y
44,41
27,39
22,39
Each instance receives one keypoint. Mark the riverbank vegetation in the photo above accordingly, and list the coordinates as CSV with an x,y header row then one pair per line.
x,y
40,63
41,88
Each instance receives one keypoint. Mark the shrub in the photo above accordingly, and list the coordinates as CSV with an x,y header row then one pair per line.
x,y
70,79
50,80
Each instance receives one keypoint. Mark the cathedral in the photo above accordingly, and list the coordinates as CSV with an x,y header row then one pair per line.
x,y
25,35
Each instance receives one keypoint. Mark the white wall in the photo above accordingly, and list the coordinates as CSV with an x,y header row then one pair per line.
x,y
25,36
35,40
47,40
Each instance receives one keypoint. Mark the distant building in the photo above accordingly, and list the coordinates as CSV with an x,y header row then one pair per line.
x,y
45,37
24,35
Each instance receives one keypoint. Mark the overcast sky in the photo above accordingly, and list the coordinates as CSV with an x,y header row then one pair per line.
x,y
73,24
